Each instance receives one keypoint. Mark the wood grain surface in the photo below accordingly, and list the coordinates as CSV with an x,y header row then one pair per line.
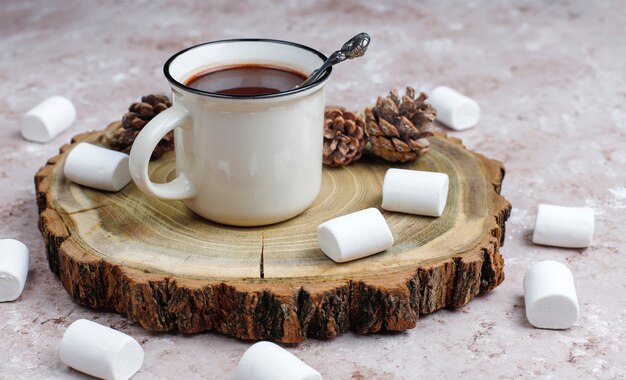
x,y
162,266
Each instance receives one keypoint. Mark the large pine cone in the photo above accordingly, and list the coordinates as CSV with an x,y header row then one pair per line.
x,y
344,137
397,128
138,115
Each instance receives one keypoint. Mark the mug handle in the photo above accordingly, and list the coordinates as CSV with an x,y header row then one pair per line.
x,y
145,142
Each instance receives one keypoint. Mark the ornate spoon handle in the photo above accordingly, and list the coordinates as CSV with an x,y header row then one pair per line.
x,y
355,47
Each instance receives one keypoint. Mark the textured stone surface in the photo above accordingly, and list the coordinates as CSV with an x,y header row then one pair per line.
x,y
550,80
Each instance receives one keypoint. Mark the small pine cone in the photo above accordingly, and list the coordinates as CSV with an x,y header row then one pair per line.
x,y
344,137
397,128
138,115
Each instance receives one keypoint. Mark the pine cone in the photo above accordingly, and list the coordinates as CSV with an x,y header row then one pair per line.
x,y
344,137
397,128
138,115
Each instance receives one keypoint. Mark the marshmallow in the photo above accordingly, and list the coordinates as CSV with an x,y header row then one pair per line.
x,y
415,192
455,110
356,235
569,227
268,361
14,261
97,167
100,351
47,119
550,296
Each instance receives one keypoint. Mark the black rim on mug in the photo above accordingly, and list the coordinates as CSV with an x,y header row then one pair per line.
x,y
266,96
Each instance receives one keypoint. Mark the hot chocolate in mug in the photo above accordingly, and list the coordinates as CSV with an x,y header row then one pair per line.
x,y
240,160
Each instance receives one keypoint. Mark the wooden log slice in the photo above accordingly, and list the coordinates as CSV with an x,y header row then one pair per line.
x,y
162,266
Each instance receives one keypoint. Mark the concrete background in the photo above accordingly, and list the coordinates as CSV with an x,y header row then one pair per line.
x,y
550,78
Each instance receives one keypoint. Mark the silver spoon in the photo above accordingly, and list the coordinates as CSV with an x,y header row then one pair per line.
x,y
354,48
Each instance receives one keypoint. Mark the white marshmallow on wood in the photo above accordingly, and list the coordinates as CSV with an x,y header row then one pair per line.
x,y
454,109
415,192
356,235
569,227
14,262
97,167
268,361
550,296
100,351
47,119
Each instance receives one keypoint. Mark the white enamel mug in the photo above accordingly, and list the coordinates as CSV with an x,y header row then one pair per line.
x,y
240,160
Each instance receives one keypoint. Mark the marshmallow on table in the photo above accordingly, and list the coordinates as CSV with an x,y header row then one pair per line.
x,y
47,119
569,227
100,351
268,361
97,167
353,236
455,110
550,296
14,261
415,192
